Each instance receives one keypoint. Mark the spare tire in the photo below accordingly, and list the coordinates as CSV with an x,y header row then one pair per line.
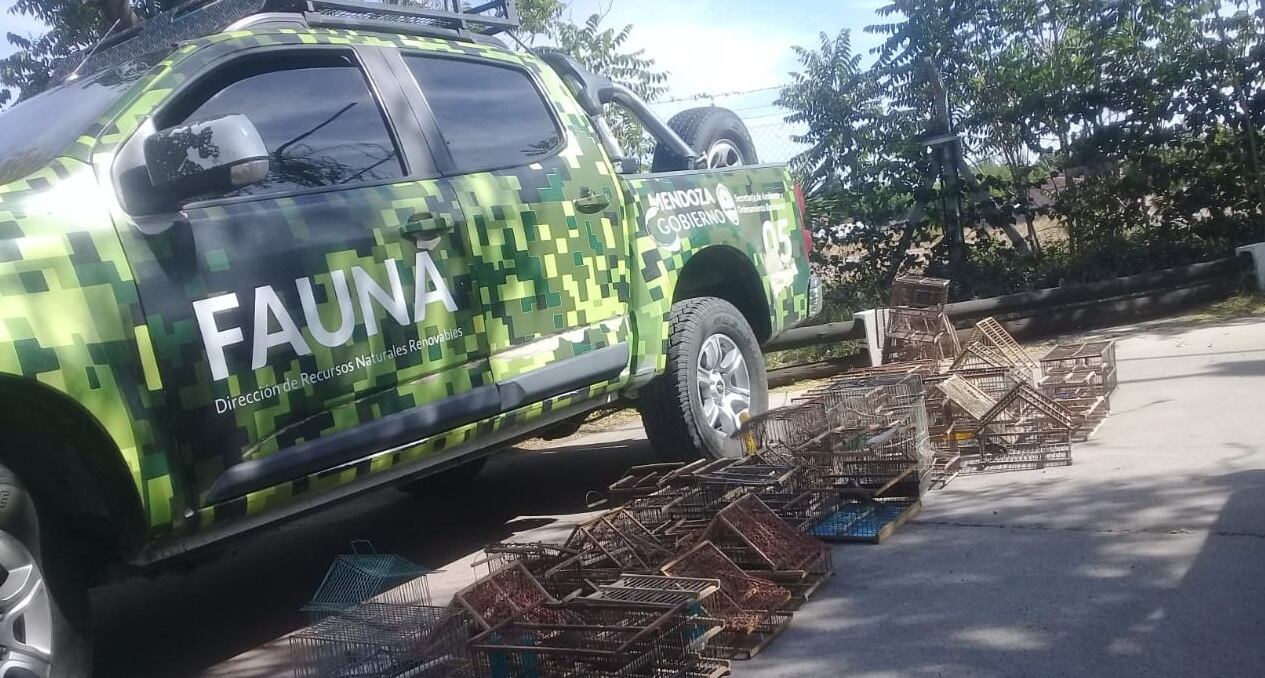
x,y
718,135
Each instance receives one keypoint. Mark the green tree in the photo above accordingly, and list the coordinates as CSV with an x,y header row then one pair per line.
x,y
604,51
74,25
862,168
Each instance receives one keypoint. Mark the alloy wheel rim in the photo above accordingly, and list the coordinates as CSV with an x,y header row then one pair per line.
x,y
723,384
723,153
26,613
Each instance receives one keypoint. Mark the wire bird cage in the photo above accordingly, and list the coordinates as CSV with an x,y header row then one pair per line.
x,y
693,593
761,543
558,569
946,463
591,639
992,346
912,334
383,640
647,479
1022,430
914,291
1081,377
657,512
865,520
365,574
751,608
501,596
616,539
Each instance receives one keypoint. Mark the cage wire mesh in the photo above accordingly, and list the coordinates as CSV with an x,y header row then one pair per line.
x,y
751,608
913,334
866,520
993,346
558,569
591,639
501,596
914,291
366,574
621,540
384,640
757,540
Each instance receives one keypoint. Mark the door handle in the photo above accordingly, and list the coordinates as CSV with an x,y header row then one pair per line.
x,y
424,226
591,203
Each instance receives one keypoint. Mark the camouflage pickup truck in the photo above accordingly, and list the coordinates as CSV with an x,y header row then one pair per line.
x,y
258,255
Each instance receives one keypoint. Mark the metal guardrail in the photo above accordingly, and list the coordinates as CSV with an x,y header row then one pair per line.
x,y
1043,312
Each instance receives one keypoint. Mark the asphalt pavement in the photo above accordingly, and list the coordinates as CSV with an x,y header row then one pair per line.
x,y
1146,557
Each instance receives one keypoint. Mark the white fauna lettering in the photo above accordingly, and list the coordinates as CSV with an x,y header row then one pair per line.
x,y
270,311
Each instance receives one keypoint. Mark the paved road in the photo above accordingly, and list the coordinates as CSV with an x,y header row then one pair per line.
x,y
1145,557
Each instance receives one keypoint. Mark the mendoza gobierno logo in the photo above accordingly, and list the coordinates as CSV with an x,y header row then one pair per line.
x,y
673,214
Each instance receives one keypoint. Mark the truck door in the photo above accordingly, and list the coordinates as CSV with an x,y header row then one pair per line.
x,y
551,257
304,323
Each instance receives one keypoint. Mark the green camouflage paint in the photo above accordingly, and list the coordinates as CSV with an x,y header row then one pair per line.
x,y
535,282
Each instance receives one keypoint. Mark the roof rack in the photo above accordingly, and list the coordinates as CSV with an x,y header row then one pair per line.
x,y
489,18
195,19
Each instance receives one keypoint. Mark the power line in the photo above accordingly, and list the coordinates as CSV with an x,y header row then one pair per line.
x,y
716,95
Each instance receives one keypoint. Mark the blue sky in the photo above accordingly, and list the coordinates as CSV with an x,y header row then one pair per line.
x,y
707,46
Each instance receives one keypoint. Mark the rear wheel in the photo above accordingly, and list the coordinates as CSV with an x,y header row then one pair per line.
x,y
44,609
714,381
717,135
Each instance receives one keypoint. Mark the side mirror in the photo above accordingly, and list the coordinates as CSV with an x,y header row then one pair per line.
x,y
206,158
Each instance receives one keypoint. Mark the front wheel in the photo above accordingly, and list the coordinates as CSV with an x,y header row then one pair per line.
x,y
714,382
43,596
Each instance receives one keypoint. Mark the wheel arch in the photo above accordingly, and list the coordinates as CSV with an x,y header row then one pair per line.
x,y
68,462
725,272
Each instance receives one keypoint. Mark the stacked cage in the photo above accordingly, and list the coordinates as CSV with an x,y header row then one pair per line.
x,y
952,435
759,542
1081,377
917,327
752,610
1021,430
524,632
992,346
699,597
616,542
384,640
560,570
866,439
372,617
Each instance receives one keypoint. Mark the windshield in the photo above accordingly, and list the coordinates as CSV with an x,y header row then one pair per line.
x,y
44,126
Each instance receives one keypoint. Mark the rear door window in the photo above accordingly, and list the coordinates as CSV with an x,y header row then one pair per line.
x,y
491,117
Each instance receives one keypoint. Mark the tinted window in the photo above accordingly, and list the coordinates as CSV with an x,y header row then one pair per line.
x,y
490,116
319,119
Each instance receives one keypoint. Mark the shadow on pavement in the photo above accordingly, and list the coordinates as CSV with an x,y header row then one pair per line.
x,y
1018,586
181,623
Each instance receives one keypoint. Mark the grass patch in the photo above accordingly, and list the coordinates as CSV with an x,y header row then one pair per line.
x,y
1242,305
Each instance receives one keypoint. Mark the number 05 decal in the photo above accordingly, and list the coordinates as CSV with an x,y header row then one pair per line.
x,y
779,260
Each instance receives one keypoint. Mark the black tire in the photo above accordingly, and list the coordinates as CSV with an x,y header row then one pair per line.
x,y
701,129
671,405
63,574
450,482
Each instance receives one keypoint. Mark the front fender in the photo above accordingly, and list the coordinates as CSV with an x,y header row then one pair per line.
x,y
71,319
